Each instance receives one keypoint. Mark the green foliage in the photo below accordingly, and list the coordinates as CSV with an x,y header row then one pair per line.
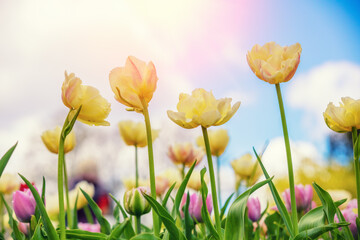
x,y
5,159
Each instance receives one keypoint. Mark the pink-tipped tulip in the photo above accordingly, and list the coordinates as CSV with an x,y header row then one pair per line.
x,y
89,227
254,209
195,206
24,205
303,195
24,228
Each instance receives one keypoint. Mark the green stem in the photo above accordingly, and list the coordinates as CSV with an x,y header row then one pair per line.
x,y
183,171
138,224
68,210
212,181
2,214
357,169
218,178
289,161
61,186
136,167
151,165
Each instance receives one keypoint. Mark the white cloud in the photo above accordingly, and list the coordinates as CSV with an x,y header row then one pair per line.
x,y
312,91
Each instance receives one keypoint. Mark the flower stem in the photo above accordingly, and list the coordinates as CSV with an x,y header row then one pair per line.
x,y
151,166
183,171
138,224
212,181
61,187
68,210
218,178
136,167
289,161
2,225
357,169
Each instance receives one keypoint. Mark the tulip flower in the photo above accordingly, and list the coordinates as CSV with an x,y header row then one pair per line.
x,y
173,176
24,205
218,139
134,133
51,140
304,195
254,209
134,84
195,206
246,168
89,227
94,108
162,184
273,63
195,180
24,228
345,117
185,154
201,108
8,183
129,183
350,215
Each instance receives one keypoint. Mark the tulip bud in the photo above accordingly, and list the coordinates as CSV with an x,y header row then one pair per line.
x,y
24,205
195,206
303,197
24,228
254,209
135,203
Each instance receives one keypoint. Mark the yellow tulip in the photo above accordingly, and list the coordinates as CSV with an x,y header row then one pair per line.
x,y
51,140
134,133
134,84
173,176
8,183
344,117
201,108
195,180
273,63
162,184
244,168
218,139
185,153
94,109
130,183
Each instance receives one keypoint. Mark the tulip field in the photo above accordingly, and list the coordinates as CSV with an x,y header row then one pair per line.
x,y
185,204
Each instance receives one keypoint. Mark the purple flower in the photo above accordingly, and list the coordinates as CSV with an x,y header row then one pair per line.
x,y
24,205
350,216
195,205
303,197
254,209
89,227
352,204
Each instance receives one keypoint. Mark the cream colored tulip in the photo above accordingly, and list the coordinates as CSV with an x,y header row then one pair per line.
x,y
344,117
195,180
162,184
185,154
201,108
130,183
134,84
134,133
51,140
173,176
94,108
218,139
247,168
273,63
9,183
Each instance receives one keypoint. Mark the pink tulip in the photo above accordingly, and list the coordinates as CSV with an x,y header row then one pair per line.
x,y
352,204
24,228
89,227
350,216
195,205
254,209
303,197
24,205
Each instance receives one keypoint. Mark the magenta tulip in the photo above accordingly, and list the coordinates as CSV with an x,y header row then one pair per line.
x,y
89,227
254,209
303,196
195,205
24,205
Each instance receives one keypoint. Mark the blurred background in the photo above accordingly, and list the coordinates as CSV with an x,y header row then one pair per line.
x,y
193,44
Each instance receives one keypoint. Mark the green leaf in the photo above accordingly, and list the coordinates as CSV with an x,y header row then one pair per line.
x,y
318,231
50,230
12,222
119,206
181,191
38,233
189,223
279,203
70,124
223,209
81,234
235,221
104,224
204,211
5,159
167,195
166,218
75,218
145,236
118,230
